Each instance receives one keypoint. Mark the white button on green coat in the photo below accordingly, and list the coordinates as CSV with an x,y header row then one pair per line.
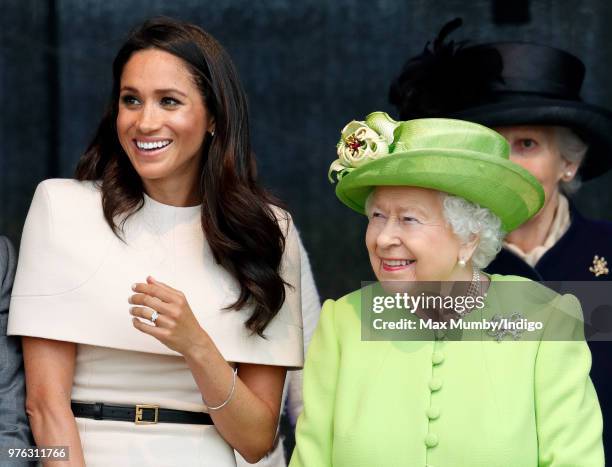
x,y
433,412
431,440
435,384
437,357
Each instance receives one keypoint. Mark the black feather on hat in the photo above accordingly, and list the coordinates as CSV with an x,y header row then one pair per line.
x,y
441,79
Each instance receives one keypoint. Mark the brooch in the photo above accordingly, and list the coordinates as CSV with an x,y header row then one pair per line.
x,y
503,327
600,266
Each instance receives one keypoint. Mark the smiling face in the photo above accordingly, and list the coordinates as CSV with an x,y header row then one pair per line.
x,y
408,238
162,122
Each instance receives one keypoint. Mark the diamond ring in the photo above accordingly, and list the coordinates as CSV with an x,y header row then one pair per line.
x,y
154,316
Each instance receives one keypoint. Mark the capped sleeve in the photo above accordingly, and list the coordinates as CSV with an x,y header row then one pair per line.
x,y
74,277
284,342
57,257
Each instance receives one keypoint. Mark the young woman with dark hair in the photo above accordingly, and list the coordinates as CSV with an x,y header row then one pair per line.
x,y
242,229
167,191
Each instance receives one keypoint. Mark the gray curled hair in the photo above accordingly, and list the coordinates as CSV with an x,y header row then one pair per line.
x,y
468,219
573,149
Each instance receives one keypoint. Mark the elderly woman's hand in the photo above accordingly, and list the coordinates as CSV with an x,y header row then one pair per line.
x,y
175,325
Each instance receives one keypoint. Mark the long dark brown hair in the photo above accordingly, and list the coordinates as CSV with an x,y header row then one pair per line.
x,y
239,224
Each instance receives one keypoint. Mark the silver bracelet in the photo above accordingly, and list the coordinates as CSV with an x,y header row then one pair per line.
x,y
229,397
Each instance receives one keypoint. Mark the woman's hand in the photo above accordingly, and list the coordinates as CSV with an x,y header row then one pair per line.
x,y
176,326
249,420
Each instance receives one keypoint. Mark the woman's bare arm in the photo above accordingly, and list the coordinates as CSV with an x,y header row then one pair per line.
x,y
49,371
249,421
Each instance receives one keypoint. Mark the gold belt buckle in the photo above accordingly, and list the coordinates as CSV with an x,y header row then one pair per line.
x,y
138,418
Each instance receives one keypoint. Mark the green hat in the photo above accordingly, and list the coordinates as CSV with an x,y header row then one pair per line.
x,y
457,157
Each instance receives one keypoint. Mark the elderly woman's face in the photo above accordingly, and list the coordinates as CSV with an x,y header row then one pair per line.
x,y
535,149
162,118
408,238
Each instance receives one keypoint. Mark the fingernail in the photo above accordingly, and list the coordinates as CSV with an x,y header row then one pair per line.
x,y
131,310
133,286
129,299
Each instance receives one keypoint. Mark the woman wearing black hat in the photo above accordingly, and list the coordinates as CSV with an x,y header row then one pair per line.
x,y
531,94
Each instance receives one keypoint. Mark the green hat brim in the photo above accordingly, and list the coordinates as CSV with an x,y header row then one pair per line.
x,y
508,190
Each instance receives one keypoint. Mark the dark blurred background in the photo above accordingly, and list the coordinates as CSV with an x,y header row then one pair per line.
x,y
308,67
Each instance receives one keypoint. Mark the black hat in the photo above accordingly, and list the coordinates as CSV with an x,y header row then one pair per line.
x,y
502,84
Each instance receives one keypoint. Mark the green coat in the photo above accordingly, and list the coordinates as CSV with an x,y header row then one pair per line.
x,y
448,403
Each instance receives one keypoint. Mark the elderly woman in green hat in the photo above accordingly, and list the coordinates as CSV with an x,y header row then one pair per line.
x,y
531,94
438,193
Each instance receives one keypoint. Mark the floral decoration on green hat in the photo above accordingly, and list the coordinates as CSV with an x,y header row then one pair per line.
x,y
363,142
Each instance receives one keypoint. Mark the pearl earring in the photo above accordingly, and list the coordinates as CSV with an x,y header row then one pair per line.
x,y
212,133
569,173
461,263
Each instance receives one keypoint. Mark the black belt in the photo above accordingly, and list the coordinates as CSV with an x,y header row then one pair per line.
x,y
141,414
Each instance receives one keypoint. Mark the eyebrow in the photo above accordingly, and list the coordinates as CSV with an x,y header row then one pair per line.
x,y
416,209
157,91
409,209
